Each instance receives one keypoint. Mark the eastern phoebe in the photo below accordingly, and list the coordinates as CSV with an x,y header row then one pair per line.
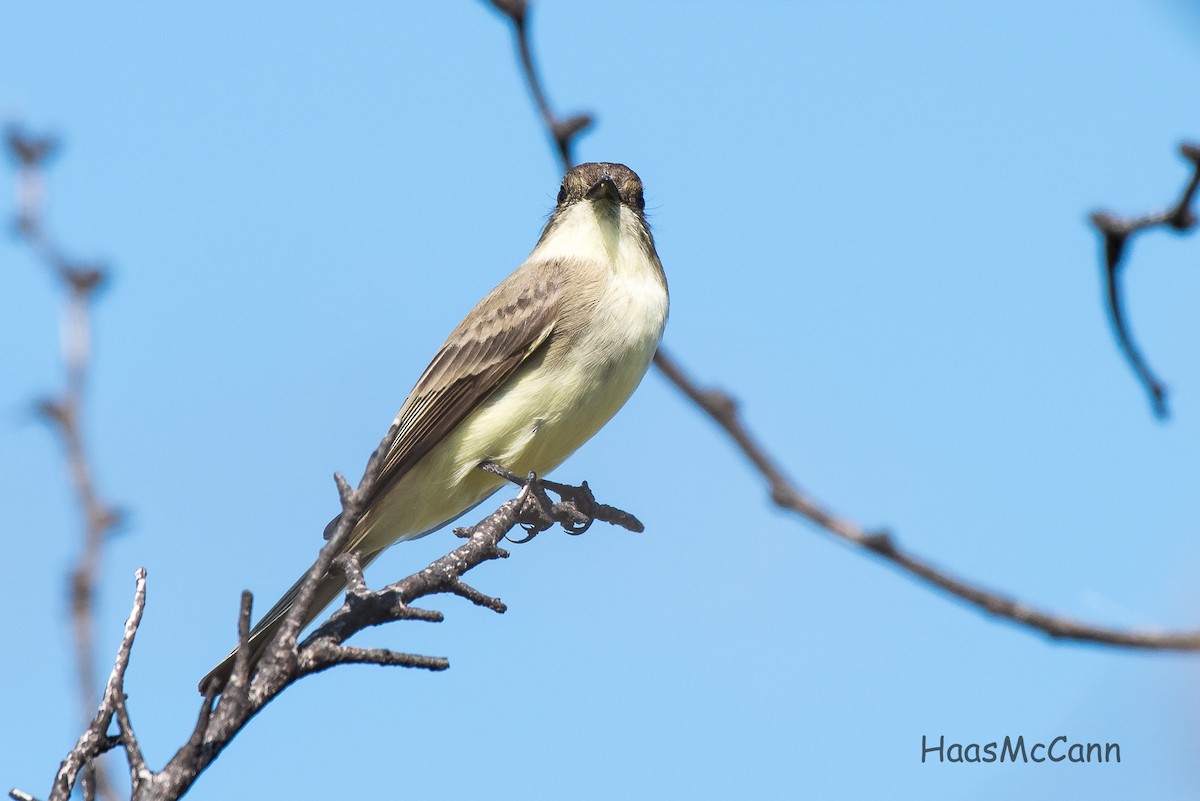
x,y
531,373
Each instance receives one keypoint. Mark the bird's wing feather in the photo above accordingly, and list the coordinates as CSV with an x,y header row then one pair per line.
x,y
496,337
499,334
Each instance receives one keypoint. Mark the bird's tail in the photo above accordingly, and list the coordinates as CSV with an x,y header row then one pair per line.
x,y
263,632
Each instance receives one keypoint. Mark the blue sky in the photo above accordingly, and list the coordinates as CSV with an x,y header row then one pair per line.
x,y
873,220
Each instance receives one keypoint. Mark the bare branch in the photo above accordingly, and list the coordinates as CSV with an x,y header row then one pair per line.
x,y
324,654
563,131
282,646
464,590
351,566
723,411
575,512
239,679
250,688
1116,234
95,739
138,771
80,281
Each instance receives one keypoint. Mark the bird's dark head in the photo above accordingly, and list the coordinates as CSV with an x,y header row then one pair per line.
x,y
601,181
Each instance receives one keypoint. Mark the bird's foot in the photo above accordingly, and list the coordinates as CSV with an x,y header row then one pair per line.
x,y
575,511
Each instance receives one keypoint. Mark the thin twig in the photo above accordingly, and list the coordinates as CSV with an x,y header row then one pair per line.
x,y
1116,233
65,414
327,655
723,410
95,740
563,131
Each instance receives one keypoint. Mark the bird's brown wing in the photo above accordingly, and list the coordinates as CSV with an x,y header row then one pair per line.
x,y
496,337
504,329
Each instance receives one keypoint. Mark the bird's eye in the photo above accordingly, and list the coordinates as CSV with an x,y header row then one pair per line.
x,y
562,194
638,200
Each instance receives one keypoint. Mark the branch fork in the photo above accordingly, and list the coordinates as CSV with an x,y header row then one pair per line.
x,y
1116,233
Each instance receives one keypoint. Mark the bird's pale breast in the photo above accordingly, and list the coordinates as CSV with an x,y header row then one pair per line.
x,y
542,414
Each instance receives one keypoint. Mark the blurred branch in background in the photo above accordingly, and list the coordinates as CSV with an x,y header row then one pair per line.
x,y
1116,233
722,409
80,282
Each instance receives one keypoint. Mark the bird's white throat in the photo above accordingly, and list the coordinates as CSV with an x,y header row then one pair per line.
x,y
610,235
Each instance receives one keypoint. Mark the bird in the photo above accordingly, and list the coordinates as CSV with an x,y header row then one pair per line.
x,y
534,370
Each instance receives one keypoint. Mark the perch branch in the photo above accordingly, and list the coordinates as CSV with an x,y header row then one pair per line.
x,y
325,647
249,689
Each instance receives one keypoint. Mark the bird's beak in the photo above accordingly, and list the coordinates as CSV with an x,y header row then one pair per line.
x,y
604,189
